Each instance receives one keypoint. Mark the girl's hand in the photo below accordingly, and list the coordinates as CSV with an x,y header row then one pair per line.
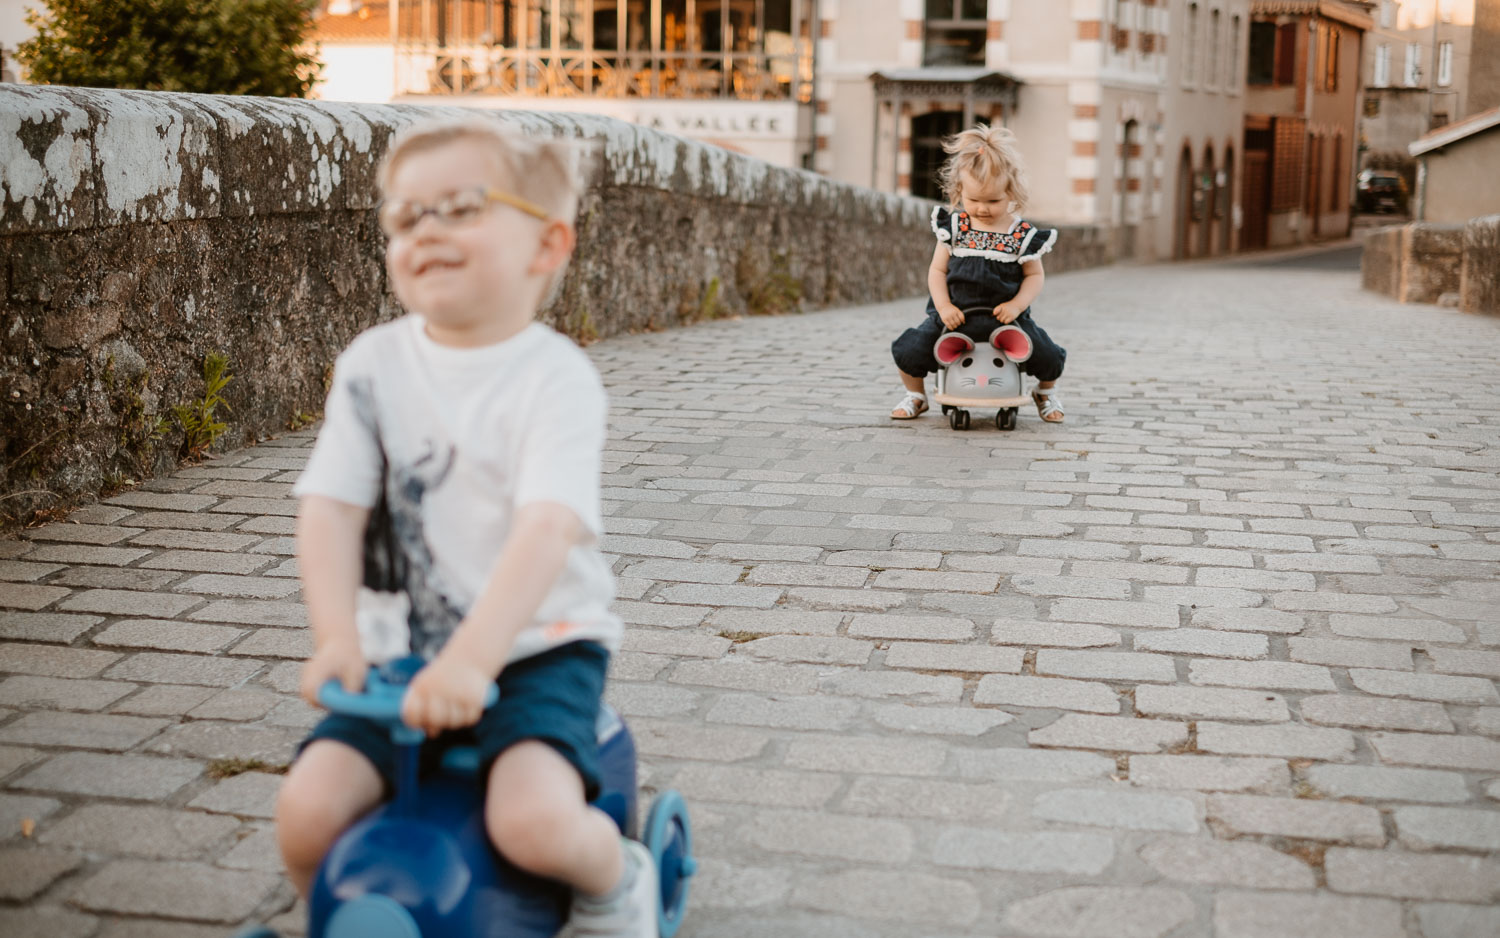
x,y
338,658
1006,313
952,316
446,694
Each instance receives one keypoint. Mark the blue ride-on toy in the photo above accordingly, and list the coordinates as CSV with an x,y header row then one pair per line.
x,y
422,866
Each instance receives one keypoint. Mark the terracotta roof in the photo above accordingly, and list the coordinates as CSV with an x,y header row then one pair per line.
x,y
370,23
1454,132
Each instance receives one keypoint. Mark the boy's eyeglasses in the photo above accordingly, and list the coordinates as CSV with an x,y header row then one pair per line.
x,y
460,208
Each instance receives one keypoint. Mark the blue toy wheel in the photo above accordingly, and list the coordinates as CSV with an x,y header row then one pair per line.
x,y
256,931
669,837
372,916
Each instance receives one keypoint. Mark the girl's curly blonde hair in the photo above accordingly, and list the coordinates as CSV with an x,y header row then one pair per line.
x,y
987,153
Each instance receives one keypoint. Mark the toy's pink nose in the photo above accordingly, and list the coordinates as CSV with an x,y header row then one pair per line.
x,y
981,380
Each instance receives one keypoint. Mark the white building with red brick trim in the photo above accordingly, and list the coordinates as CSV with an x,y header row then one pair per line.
x,y
1129,111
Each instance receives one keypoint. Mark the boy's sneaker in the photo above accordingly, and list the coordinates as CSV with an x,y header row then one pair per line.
x,y
629,914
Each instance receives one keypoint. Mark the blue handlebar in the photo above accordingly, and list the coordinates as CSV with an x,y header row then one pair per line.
x,y
381,699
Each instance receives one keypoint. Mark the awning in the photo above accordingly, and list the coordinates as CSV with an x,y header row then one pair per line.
x,y
1345,11
960,83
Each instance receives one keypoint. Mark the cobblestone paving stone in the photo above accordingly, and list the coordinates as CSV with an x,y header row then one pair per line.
x,y
1217,657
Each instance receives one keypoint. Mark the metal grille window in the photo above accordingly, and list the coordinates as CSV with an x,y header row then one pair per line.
x,y
1413,63
744,49
1445,64
954,32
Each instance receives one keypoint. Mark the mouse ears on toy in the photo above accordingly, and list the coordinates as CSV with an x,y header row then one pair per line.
x,y
951,346
1013,341
1010,340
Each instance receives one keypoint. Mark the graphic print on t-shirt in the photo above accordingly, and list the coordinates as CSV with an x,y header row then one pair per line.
x,y
397,557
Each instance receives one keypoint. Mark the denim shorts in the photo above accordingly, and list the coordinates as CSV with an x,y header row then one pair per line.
x,y
553,697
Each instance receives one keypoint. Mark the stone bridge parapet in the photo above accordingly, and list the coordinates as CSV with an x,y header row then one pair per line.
x,y
141,232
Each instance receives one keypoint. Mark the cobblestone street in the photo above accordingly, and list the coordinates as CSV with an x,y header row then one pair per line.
x,y
1216,657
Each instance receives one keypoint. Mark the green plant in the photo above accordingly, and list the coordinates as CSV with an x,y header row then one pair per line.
x,y
116,482
777,292
196,419
302,419
261,47
711,307
581,327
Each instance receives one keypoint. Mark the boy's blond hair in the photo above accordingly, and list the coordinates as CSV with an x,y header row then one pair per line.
x,y
547,172
987,153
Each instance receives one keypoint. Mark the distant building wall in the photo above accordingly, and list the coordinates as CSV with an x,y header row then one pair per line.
x,y
356,73
1484,58
1400,117
1461,179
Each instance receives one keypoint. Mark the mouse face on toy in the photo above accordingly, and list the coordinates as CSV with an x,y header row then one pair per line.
x,y
987,371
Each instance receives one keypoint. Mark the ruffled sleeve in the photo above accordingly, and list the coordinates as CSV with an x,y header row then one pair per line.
x,y
942,223
1038,241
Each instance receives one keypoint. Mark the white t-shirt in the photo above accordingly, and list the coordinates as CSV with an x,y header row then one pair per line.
x,y
458,440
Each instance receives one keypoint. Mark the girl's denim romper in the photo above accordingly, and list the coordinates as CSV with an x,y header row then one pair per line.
x,y
985,270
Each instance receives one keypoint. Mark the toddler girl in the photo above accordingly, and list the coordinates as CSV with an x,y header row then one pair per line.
x,y
986,256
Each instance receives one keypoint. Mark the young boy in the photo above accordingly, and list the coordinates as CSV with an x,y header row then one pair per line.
x,y
452,501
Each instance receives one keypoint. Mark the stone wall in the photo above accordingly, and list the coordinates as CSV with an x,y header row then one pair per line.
x,y
1415,263
1479,283
1380,261
141,232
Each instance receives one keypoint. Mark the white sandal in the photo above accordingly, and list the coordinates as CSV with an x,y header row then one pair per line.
x,y
912,405
1047,403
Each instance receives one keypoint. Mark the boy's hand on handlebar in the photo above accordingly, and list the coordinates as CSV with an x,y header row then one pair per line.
x,y
339,659
1006,313
446,694
952,316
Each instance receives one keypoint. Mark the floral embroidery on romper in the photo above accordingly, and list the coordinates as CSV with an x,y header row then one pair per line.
x,y
1006,242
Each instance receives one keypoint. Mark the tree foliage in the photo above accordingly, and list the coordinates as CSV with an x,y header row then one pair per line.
x,y
257,47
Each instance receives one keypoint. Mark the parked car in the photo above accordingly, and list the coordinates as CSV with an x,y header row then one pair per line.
x,y
1380,190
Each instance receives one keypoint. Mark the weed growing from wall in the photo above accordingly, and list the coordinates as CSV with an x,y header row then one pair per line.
x,y
711,307
198,419
772,292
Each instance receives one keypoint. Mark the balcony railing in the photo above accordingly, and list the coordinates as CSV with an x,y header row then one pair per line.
x,y
493,70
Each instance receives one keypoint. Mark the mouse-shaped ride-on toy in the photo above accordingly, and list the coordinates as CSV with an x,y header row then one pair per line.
x,y
981,377
422,866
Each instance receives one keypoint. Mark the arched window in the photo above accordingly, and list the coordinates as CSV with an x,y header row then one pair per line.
x,y
1336,173
1207,195
1226,201
1182,245
1129,166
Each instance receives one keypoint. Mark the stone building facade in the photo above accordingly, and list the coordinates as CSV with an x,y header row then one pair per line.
x,y
1302,106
